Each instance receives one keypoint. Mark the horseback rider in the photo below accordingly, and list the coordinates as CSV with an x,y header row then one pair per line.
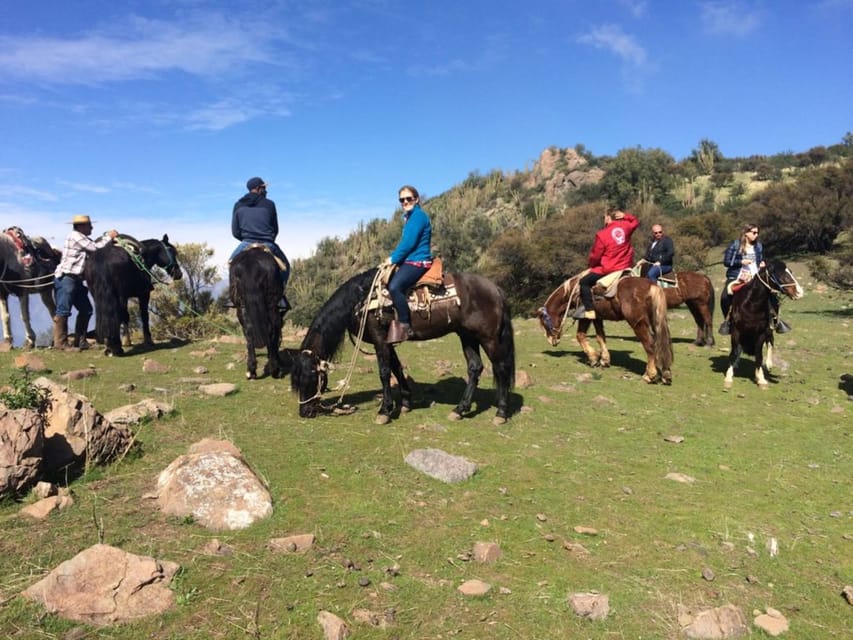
x,y
611,251
413,258
254,220
743,258
68,286
659,254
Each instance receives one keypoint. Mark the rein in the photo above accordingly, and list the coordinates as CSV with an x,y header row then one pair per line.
x,y
374,288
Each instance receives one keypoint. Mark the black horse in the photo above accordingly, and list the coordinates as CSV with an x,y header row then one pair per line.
x,y
255,289
751,326
26,266
121,271
477,312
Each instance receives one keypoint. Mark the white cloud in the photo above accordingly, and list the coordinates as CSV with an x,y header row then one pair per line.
x,y
140,48
611,38
85,188
636,8
729,18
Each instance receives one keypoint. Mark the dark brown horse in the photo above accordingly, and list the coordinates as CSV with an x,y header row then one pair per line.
x,y
255,289
26,266
751,317
468,305
694,290
638,301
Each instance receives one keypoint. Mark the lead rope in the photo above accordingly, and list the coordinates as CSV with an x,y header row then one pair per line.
x,y
570,293
374,291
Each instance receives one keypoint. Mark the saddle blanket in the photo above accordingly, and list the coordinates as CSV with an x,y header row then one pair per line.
x,y
421,298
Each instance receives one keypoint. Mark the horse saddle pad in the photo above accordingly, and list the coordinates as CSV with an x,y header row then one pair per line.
x,y
606,285
261,245
668,280
421,297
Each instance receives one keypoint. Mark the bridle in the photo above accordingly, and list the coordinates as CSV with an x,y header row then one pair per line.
x,y
322,371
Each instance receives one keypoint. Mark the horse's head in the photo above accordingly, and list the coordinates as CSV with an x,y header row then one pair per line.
x,y
782,280
309,378
552,331
168,259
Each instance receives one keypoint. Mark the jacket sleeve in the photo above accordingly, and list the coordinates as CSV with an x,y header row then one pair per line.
x,y
730,257
235,226
596,252
667,251
759,253
632,225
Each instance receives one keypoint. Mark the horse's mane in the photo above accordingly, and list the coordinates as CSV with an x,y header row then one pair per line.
x,y
327,330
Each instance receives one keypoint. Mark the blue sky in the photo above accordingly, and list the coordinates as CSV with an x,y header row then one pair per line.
x,y
150,116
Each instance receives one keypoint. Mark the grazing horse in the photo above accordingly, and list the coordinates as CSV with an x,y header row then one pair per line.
x,y
468,305
638,301
751,326
255,289
696,291
120,271
26,266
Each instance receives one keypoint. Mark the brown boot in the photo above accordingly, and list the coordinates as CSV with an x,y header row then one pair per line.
x,y
60,332
398,332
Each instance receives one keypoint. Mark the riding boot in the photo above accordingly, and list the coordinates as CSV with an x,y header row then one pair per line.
x,y
782,326
81,328
398,332
60,332
284,304
725,328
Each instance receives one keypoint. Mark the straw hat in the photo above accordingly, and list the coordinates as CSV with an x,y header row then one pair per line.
x,y
81,219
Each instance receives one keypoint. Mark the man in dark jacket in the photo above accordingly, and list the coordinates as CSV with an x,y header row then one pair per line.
x,y
660,254
254,220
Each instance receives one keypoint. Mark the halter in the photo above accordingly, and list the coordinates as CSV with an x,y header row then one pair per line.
x,y
322,367
172,261
773,284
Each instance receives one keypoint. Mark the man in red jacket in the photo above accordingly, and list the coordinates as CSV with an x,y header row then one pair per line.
x,y
611,251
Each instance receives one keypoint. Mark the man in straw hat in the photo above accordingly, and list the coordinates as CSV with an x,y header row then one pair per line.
x,y
68,286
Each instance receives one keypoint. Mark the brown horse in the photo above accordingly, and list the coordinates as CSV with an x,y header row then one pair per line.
x,y
694,290
638,301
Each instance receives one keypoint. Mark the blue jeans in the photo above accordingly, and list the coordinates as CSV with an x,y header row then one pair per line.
x,y
245,244
70,291
404,277
656,271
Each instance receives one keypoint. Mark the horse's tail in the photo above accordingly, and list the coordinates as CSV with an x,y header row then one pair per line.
x,y
503,367
663,339
713,301
257,292
99,277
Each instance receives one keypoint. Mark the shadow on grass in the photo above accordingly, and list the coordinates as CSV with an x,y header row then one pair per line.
x,y
745,369
619,359
447,391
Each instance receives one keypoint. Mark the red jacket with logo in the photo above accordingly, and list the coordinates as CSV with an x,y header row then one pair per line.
x,y
612,250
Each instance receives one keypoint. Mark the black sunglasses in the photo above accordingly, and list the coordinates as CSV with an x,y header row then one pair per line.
x,y
407,199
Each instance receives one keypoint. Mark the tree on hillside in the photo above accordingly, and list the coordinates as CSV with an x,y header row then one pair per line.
x,y
640,176
806,215
706,156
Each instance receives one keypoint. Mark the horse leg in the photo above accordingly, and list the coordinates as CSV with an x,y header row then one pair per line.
x,y
730,372
601,338
641,330
6,319
30,342
703,323
471,348
143,317
273,366
402,383
760,380
583,341
383,357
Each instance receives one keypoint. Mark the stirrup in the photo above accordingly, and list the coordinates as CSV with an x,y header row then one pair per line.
x,y
398,332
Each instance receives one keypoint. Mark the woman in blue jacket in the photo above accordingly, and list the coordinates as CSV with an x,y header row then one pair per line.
x,y
413,257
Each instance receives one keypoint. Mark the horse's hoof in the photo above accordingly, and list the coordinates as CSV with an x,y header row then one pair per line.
x,y
499,420
455,417
648,379
405,408
382,419
763,386
251,376
727,385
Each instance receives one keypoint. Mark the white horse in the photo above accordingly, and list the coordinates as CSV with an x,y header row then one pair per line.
x,y
26,266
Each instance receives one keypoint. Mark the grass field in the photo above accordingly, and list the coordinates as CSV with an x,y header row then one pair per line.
x,y
584,448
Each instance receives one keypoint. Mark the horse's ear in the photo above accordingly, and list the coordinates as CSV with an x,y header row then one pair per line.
x,y
165,237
